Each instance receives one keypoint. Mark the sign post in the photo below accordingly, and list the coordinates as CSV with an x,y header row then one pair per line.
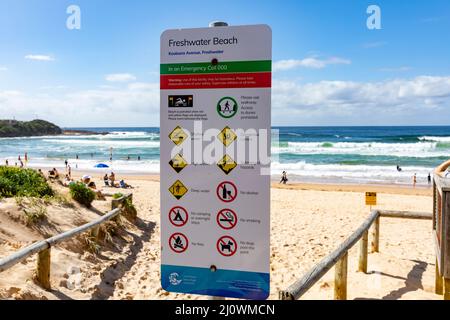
x,y
215,165
371,199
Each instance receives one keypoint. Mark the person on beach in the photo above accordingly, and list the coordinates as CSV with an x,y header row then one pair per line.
x,y
112,178
69,170
284,178
128,158
21,163
26,158
19,158
53,173
6,162
66,163
414,180
398,168
76,157
429,178
106,180
139,158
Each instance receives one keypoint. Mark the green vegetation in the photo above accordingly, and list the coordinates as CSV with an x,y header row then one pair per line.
x,y
128,208
23,183
82,194
13,128
33,208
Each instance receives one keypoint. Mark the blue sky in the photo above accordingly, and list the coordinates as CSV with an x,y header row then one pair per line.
x,y
329,68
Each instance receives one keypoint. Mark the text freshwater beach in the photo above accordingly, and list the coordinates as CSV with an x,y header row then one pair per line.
x,y
308,154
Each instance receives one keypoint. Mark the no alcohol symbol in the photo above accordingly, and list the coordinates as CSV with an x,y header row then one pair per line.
x,y
227,107
226,191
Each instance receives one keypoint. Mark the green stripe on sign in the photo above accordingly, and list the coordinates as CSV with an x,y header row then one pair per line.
x,y
221,67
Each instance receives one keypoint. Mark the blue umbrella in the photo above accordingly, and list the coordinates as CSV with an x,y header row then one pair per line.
x,y
101,165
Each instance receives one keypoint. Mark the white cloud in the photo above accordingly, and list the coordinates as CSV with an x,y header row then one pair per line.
x,y
311,62
136,104
39,57
385,96
3,68
120,77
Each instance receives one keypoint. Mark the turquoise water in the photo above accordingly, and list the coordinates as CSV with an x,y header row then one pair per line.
x,y
319,154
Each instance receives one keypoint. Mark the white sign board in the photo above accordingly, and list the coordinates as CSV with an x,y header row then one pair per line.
x,y
215,170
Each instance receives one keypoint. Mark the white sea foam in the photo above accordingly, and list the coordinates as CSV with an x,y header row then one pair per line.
x,y
433,138
103,143
418,149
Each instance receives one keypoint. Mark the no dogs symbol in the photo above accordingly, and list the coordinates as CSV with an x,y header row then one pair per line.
x,y
226,246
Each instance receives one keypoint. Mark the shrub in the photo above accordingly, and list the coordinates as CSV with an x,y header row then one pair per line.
x,y
82,194
23,183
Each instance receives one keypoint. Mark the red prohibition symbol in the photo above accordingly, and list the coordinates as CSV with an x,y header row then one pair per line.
x,y
226,246
178,242
226,219
226,191
178,216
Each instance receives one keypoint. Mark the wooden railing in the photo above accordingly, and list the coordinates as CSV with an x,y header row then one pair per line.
x,y
43,247
339,257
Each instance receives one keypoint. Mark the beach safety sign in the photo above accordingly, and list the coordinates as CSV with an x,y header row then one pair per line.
x,y
215,107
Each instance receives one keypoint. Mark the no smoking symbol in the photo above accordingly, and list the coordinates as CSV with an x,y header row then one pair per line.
x,y
226,246
178,216
178,242
226,219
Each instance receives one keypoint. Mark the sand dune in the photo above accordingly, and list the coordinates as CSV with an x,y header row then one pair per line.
x,y
306,225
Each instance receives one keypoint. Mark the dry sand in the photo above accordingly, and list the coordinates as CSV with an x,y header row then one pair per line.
x,y
307,223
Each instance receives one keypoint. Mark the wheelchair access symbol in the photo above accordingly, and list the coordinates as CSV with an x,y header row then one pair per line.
x,y
226,191
226,219
226,246
178,242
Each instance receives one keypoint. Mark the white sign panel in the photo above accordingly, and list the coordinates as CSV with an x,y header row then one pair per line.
x,y
215,166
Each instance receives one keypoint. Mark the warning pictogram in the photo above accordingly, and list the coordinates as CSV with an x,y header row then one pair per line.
x,y
226,219
178,216
178,242
178,135
227,136
178,189
178,163
227,164
226,191
226,246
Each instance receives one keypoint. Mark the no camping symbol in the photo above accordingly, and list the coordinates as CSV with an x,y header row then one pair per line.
x,y
178,216
226,191
178,242
226,246
226,219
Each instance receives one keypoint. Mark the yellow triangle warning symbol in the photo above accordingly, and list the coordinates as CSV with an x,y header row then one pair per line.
x,y
178,163
178,135
226,164
227,136
178,189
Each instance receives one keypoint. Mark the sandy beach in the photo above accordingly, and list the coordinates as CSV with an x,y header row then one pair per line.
x,y
308,221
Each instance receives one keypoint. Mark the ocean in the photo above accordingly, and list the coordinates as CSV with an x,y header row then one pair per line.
x,y
308,154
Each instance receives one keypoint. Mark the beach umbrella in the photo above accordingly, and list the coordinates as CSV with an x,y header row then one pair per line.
x,y
101,165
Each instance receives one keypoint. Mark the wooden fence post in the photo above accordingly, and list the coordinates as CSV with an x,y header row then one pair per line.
x,y
375,244
362,265
446,289
340,278
439,283
43,268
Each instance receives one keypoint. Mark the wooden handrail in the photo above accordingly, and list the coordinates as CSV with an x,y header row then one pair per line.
x,y
300,287
339,256
24,253
43,247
